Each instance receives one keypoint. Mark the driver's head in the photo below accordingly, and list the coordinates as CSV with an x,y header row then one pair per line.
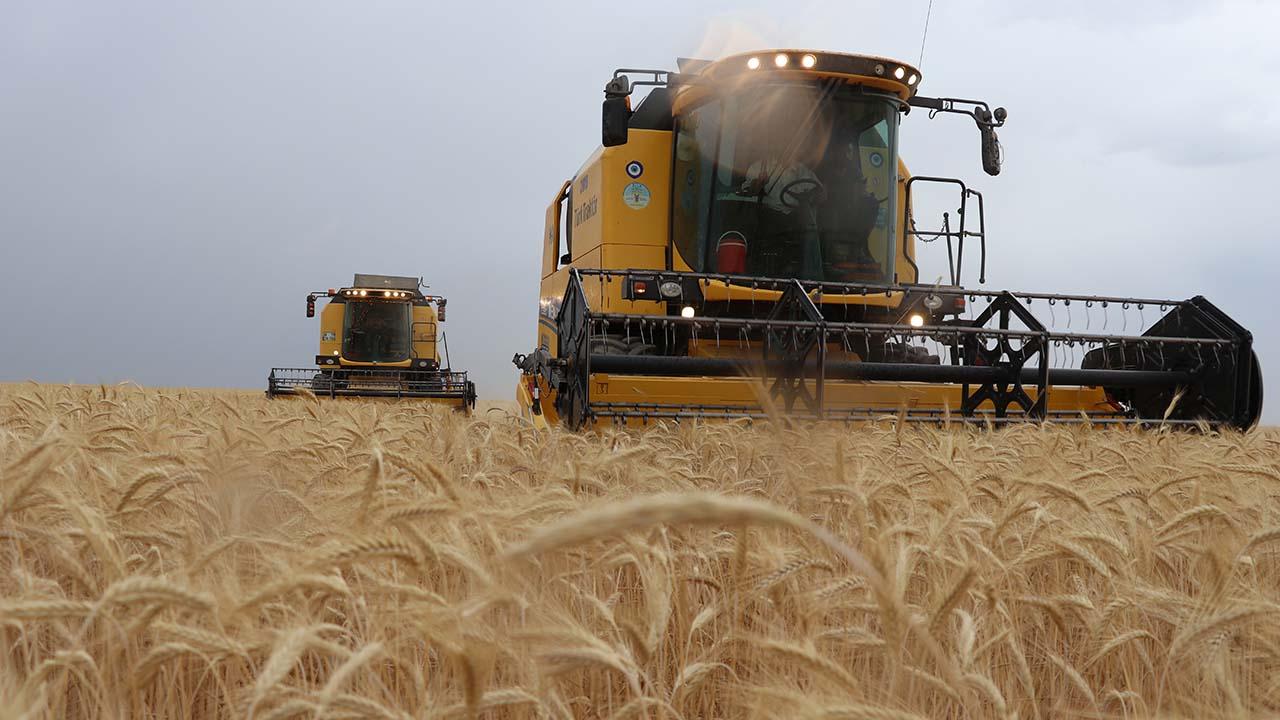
x,y
842,161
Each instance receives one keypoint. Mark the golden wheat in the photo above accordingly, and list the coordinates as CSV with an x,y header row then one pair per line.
x,y
208,554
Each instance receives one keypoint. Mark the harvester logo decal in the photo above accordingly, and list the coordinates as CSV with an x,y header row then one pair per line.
x,y
585,211
636,196
549,308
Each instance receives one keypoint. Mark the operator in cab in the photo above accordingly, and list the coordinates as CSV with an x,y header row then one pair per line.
x,y
804,178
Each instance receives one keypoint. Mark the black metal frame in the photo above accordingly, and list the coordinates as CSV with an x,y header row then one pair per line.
x,y
372,382
979,110
791,347
1007,391
955,256
1194,346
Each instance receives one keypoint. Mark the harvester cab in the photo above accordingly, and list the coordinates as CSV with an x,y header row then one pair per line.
x,y
745,242
380,337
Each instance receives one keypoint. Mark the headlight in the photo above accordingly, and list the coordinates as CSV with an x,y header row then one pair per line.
x,y
753,63
687,311
669,289
781,60
808,61
917,320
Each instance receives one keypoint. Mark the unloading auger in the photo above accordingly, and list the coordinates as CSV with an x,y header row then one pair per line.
x,y
744,244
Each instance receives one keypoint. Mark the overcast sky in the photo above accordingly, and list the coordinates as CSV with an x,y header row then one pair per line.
x,y
174,177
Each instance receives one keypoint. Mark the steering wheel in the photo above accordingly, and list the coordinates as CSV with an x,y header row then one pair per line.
x,y
790,197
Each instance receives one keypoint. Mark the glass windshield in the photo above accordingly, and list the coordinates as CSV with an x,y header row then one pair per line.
x,y
788,181
376,331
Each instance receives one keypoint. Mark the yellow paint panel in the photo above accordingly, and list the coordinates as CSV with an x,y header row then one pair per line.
x,y
839,395
331,326
353,364
425,333
717,290
636,210
621,196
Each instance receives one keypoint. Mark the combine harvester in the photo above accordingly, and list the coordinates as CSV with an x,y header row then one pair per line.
x,y
378,338
745,242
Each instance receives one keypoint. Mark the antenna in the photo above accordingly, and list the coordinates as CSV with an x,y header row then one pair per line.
x,y
925,35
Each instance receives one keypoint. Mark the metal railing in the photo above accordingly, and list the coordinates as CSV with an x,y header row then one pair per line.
x,y
362,382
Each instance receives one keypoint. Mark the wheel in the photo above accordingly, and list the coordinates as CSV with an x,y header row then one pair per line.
x,y
908,354
621,345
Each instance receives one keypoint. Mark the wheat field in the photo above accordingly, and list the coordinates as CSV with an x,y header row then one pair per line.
x,y
211,554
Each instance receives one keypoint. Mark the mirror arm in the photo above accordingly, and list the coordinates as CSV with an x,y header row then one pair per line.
x,y
977,109
986,119
656,78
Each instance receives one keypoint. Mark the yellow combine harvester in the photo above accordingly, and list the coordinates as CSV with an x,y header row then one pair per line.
x,y
745,241
379,338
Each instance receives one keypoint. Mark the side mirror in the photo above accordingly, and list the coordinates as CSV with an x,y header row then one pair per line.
x,y
990,151
311,306
616,112
440,309
990,143
616,115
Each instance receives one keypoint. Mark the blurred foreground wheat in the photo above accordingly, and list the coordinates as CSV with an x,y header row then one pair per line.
x,y
186,554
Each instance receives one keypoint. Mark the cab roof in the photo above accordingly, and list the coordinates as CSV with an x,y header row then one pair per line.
x,y
882,73
385,282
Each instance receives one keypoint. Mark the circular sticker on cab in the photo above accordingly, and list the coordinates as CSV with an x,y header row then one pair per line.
x,y
876,159
636,196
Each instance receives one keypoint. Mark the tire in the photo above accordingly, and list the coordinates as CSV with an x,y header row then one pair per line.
x,y
908,354
621,345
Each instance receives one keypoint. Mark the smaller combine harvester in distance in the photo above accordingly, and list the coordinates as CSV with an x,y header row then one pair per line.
x,y
379,338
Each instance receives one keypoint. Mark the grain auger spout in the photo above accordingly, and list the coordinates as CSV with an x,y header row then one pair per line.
x,y
746,243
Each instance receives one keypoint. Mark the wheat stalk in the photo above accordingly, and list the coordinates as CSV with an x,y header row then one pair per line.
x,y
191,555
